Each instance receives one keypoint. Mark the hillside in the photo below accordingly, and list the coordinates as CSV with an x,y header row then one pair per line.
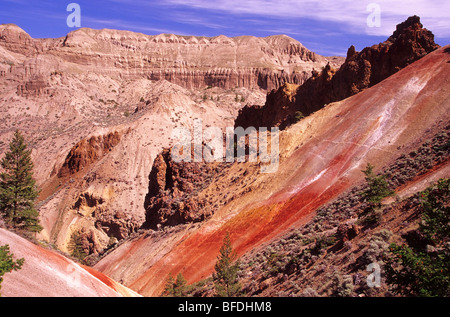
x,y
329,255
321,158
46,273
98,108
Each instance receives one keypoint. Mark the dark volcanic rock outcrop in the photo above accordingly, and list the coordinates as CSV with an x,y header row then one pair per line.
x,y
361,70
88,151
173,191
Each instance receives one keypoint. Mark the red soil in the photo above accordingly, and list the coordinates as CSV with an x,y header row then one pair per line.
x,y
46,273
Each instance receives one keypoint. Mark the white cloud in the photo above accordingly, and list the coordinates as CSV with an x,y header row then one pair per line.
x,y
126,25
351,14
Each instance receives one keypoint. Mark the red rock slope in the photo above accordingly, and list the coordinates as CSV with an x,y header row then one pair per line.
x,y
48,274
321,157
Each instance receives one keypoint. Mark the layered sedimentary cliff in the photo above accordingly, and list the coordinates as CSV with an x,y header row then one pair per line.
x,y
361,70
191,62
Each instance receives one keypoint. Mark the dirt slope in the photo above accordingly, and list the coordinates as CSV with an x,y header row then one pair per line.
x,y
46,273
321,157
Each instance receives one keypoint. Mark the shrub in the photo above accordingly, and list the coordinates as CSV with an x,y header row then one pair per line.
x,y
436,211
371,218
322,242
342,285
377,247
298,115
413,273
424,271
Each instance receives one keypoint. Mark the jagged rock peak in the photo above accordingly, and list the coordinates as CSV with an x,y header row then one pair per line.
x,y
412,23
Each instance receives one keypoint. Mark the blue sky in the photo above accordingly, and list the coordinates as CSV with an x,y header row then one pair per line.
x,y
324,26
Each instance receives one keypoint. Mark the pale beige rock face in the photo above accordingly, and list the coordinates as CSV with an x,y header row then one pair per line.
x,y
95,82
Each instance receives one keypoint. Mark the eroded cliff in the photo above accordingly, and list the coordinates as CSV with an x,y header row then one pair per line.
x,y
361,70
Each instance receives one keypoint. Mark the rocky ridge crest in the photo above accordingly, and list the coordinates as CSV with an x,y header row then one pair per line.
x,y
191,62
361,70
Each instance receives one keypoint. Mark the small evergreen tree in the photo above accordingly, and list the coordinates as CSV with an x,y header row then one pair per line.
x,y
7,263
175,288
17,186
225,278
180,286
168,288
424,271
378,187
75,246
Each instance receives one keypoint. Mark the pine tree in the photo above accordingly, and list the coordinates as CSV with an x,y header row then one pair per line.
x,y
377,190
175,288
17,186
7,263
378,187
180,286
75,246
227,268
168,288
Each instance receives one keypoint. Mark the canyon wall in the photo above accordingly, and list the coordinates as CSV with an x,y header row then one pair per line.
x,y
97,106
191,62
